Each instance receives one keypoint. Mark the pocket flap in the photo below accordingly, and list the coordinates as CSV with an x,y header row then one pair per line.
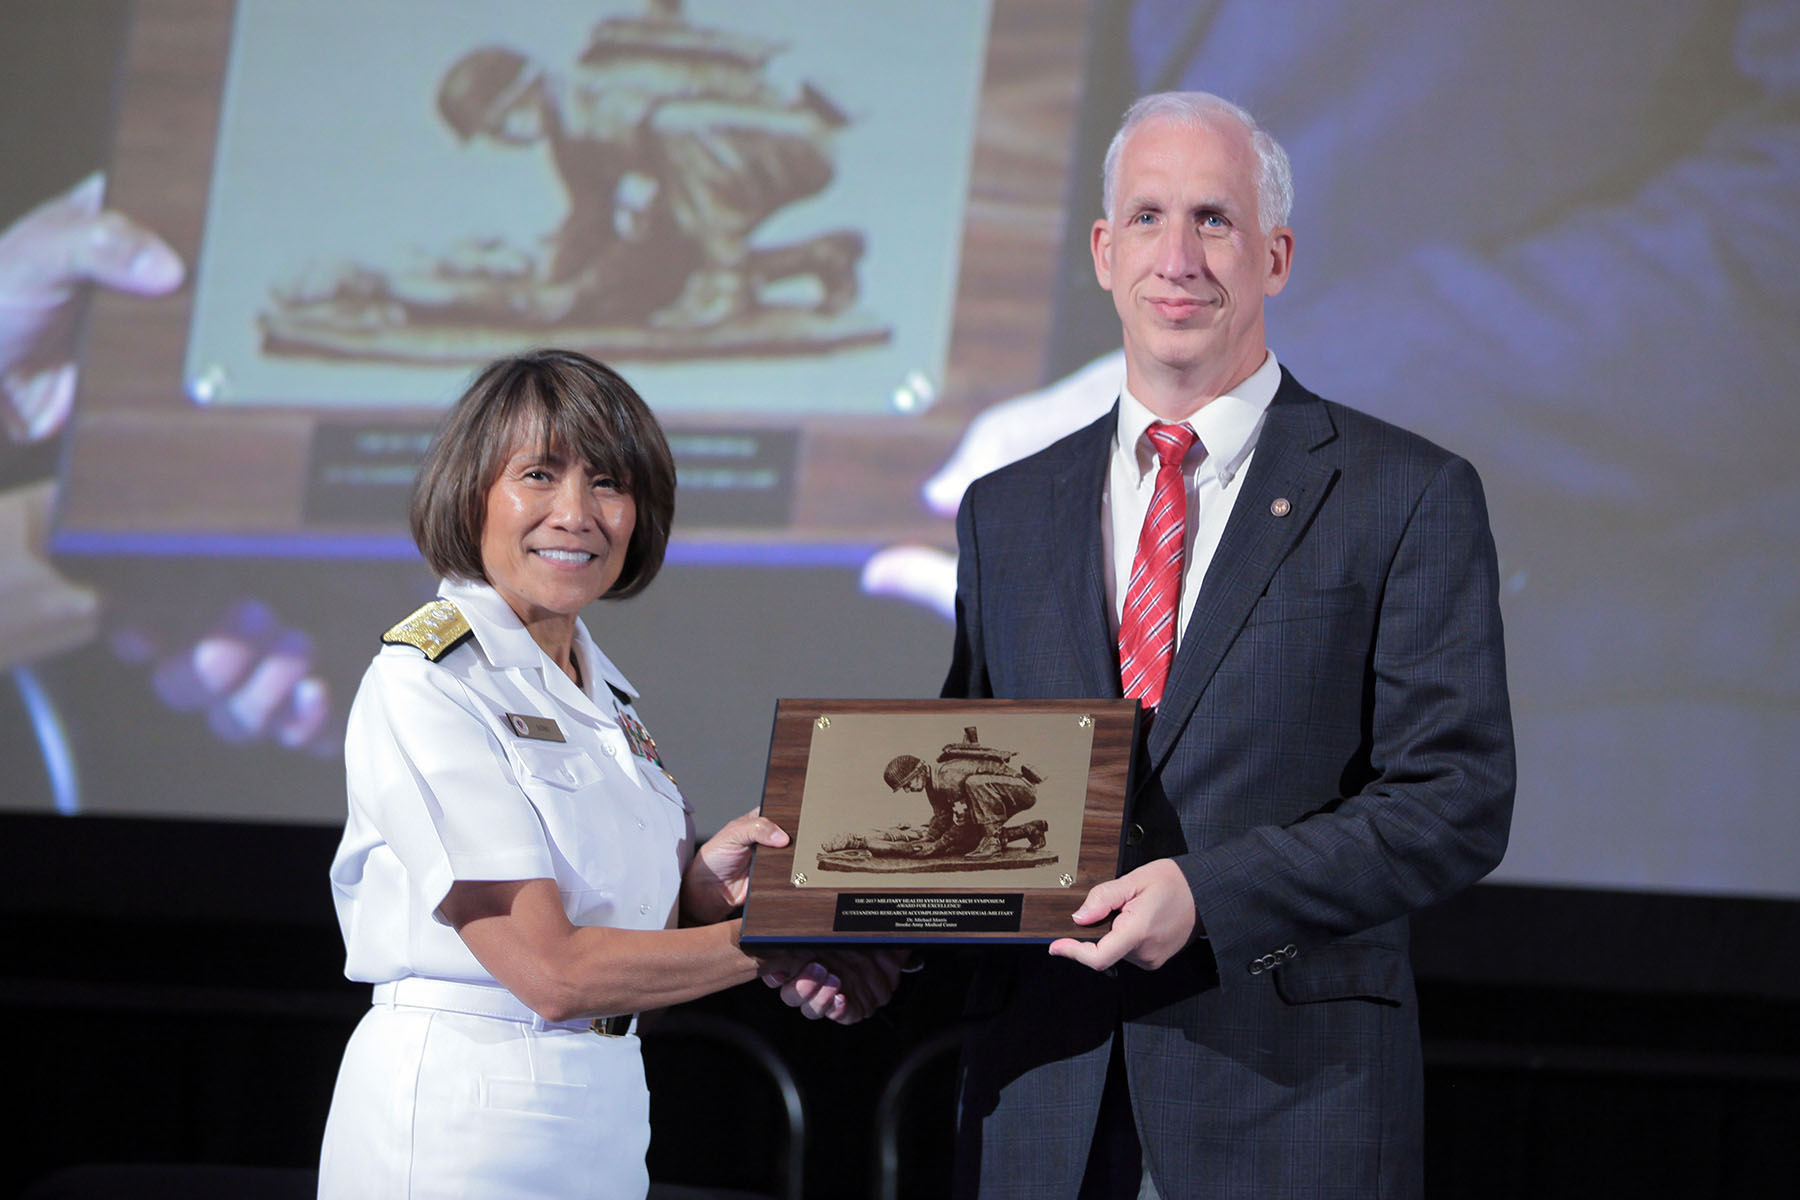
x,y
1273,608
558,766
1344,971
662,783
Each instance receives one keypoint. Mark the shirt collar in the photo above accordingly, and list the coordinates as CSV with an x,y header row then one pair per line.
x,y
1227,426
507,643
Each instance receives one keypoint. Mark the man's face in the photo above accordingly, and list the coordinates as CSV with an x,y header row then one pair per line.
x,y
1187,262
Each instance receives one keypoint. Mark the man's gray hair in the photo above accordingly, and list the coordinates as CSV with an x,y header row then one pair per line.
x,y
1274,179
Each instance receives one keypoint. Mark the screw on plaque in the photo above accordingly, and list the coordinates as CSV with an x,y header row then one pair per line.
x,y
210,384
823,723
1066,879
799,878
1085,721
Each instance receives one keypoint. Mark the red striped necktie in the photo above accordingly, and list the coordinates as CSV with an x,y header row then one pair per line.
x,y
1152,599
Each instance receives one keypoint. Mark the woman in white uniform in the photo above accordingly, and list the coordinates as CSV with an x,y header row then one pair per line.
x,y
516,876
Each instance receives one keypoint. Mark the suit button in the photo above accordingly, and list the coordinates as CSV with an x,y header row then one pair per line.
x,y
1288,951
1256,967
1134,835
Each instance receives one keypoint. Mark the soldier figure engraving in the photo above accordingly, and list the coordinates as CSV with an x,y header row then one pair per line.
x,y
974,790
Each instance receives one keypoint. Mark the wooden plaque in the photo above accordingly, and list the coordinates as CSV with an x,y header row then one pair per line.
x,y
910,821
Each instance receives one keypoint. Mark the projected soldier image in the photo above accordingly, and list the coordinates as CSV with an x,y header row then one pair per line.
x,y
673,148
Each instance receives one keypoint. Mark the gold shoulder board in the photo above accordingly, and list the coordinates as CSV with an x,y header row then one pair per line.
x,y
436,628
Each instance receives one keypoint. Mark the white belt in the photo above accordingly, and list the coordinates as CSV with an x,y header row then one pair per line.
x,y
488,1000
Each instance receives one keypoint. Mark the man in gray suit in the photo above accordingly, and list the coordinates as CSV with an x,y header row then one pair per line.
x,y
1305,600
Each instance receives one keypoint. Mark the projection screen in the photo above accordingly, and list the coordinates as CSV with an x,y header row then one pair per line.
x,y
1562,240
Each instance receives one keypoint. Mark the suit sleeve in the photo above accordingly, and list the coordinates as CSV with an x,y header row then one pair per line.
x,y
1430,812
968,677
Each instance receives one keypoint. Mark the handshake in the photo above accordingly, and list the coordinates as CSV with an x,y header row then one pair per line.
x,y
842,985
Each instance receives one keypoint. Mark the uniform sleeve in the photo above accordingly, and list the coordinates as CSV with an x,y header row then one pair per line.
x,y
428,776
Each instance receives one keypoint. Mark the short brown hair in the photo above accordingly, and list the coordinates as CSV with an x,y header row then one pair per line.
x,y
574,406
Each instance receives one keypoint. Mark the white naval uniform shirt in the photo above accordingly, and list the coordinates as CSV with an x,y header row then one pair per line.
x,y
442,788
431,1100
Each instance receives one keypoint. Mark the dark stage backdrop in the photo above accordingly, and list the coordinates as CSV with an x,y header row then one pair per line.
x,y
1564,240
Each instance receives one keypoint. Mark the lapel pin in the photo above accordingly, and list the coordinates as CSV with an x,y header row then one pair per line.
x,y
1280,506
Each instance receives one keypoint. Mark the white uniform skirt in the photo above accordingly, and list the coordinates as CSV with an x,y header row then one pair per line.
x,y
432,1103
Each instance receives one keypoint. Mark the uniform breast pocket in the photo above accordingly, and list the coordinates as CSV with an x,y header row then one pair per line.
x,y
563,768
662,785
569,791
669,815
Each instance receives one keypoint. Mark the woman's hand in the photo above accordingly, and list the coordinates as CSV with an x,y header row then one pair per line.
x,y
719,877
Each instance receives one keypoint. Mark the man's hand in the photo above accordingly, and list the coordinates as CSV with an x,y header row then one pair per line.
x,y
1155,921
719,877
46,257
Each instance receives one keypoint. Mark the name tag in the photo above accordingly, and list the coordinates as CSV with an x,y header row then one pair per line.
x,y
540,729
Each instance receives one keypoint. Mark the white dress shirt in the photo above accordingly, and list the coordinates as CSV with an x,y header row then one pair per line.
x,y
1213,471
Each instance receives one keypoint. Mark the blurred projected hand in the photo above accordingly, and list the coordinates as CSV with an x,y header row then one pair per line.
x,y
47,257
1005,433
250,675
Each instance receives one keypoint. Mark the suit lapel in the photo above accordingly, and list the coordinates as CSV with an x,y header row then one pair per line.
x,y
1078,556
1286,484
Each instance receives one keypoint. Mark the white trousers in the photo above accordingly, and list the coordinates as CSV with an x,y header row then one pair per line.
x,y
435,1104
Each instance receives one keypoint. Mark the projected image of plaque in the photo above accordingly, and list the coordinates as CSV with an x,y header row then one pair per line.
x,y
768,221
